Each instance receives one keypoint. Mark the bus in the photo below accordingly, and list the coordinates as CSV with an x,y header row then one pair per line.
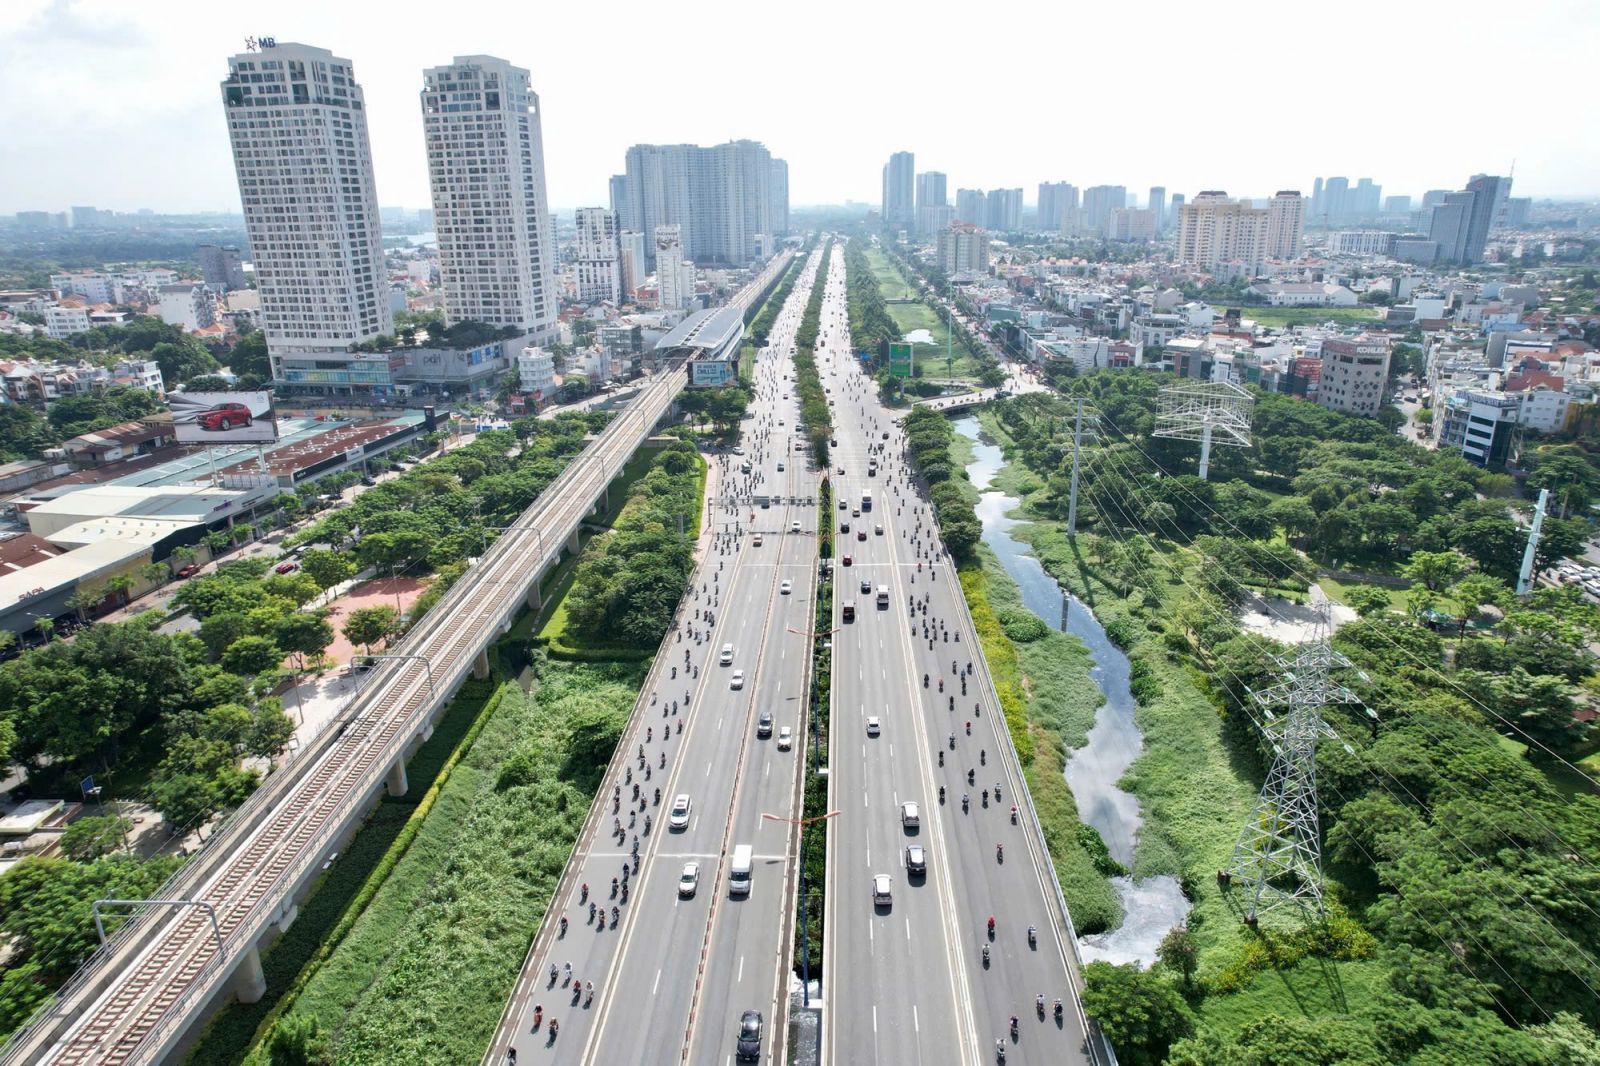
x,y
866,500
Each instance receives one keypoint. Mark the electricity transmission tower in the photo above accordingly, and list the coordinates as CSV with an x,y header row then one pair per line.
x,y
1206,411
1278,857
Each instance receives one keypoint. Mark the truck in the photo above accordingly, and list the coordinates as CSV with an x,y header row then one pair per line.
x,y
739,870
883,597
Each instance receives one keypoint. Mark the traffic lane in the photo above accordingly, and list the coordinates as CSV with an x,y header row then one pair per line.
x,y
710,747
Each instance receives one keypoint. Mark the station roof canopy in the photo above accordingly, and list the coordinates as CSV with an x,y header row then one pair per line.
x,y
710,334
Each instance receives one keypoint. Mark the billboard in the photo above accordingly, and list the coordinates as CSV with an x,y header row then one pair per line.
x,y
710,373
900,360
223,417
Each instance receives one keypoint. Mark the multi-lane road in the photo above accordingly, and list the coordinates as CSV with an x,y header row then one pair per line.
x,y
673,972
136,997
906,980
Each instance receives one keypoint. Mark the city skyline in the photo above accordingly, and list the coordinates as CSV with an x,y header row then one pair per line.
x,y
78,54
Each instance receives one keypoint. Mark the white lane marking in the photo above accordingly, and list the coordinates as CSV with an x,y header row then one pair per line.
x,y
908,928
915,1022
740,978
656,984
874,1018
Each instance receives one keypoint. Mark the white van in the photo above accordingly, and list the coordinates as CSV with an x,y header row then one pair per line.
x,y
739,871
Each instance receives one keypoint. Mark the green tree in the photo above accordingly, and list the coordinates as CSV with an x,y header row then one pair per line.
x,y
1180,953
326,568
304,634
1434,571
1366,600
249,356
251,655
369,625
1142,1013
24,434
87,839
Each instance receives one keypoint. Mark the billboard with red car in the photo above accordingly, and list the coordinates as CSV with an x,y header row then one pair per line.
x,y
223,417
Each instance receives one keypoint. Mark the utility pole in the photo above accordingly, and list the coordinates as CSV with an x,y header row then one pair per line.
x,y
1525,575
1072,502
1278,857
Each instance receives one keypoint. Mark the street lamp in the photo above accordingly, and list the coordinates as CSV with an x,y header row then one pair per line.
x,y
805,899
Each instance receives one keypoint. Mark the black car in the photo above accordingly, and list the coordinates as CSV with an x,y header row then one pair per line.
x,y
749,1049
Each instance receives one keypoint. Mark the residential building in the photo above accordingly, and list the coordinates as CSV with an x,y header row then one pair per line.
x,y
1361,242
222,268
63,320
1157,203
963,249
1414,250
1003,209
1098,203
298,127
940,217
1214,230
1450,227
971,206
1397,205
618,187
674,274
1286,223
899,183
1545,402
931,193
1333,205
497,251
599,266
1128,224
633,260
721,198
1365,198
188,305
536,373
93,287
1056,198
1354,372
1488,212
777,203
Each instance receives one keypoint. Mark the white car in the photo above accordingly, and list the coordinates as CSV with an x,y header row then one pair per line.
x,y
910,815
678,816
794,527
872,726
689,880
882,886
785,738
726,656
786,588
737,680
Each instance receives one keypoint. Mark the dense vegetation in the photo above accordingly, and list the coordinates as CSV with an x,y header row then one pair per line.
x,y
179,354
990,373
1460,842
156,718
928,436
760,316
629,580
447,510
815,414
811,903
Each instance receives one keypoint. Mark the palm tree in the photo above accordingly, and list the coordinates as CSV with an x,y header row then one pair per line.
x,y
119,586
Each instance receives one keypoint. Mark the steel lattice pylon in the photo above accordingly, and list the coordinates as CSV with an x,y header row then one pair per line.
x,y
1206,411
1278,858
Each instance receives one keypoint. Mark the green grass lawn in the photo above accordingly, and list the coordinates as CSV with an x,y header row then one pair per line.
x,y
1399,599
890,282
1295,316
931,358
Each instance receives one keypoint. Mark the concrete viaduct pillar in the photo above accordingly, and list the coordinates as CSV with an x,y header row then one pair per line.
x,y
395,783
249,983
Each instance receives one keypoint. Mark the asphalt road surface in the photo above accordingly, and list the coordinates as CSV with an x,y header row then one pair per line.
x,y
672,975
906,982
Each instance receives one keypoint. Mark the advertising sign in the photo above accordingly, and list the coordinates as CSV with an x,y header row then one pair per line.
x,y
710,373
900,360
223,417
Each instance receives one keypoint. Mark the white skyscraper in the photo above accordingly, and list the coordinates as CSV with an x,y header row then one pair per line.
x,y
480,121
298,127
1286,223
674,274
599,271
634,260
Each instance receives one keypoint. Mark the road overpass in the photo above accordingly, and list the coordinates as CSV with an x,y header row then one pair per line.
x,y
672,973
135,998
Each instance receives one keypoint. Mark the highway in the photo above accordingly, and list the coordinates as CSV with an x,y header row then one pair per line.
x,y
134,999
672,975
906,982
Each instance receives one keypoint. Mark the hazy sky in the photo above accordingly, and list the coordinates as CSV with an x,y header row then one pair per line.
x,y
117,105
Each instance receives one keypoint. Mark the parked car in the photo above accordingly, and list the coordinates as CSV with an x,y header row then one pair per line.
x,y
286,567
189,571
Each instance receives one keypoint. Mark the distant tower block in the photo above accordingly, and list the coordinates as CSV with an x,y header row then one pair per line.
x,y
1206,411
